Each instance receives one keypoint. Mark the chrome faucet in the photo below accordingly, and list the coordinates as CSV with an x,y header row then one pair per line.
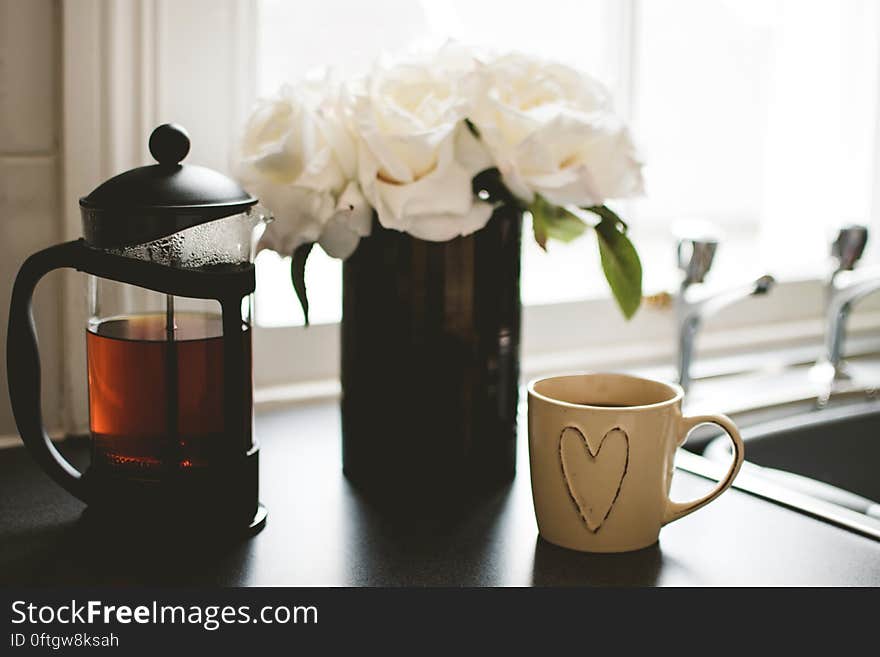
x,y
846,286
693,303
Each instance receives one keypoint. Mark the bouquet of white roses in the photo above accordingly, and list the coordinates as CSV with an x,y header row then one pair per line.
x,y
431,144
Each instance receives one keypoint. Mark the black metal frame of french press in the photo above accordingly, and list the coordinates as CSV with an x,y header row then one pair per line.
x,y
228,285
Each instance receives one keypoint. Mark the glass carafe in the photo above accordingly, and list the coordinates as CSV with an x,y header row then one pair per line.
x,y
156,364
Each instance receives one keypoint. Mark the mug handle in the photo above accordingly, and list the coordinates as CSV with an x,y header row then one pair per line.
x,y
23,364
676,510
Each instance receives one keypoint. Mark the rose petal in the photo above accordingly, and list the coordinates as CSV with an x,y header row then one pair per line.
x,y
300,215
573,186
552,130
354,208
443,227
338,240
470,152
445,190
352,220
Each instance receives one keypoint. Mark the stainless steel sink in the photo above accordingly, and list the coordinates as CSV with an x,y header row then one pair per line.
x,y
825,462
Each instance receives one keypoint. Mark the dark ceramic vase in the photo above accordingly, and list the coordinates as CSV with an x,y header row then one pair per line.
x,y
430,362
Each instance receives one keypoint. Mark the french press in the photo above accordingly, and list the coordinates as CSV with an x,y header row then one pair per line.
x,y
169,253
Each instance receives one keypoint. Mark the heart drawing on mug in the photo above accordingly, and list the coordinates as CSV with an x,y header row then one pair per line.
x,y
594,475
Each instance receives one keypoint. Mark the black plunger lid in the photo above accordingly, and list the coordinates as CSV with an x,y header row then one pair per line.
x,y
150,202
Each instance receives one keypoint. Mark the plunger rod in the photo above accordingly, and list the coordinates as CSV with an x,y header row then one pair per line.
x,y
171,383
169,317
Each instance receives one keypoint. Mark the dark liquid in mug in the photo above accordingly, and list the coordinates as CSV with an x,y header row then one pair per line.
x,y
156,405
598,405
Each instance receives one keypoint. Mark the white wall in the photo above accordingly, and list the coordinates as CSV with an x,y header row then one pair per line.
x,y
30,178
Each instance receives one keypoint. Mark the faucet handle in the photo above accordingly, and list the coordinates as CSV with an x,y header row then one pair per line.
x,y
849,245
695,256
695,248
764,284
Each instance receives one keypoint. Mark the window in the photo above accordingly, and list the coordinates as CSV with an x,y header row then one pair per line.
x,y
759,116
756,115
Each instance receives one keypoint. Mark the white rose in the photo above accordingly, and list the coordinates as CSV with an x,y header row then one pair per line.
x,y
416,156
552,131
298,159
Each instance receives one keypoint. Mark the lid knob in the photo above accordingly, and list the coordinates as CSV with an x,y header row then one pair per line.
x,y
169,143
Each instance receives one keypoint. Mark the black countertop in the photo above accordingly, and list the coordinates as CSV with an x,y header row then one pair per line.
x,y
321,531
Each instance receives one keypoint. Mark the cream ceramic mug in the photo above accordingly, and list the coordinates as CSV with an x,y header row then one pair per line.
x,y
601,449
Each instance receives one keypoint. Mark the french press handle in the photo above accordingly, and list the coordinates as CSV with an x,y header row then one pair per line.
x,y
23,363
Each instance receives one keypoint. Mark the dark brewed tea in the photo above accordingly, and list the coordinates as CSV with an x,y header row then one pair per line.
x,y
157,405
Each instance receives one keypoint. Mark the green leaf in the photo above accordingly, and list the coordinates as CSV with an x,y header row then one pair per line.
x,y
607,214
539,228
298,276
539,222
620,261
550,220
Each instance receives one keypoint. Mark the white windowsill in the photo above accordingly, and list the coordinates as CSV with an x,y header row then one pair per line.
x,y
590,334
